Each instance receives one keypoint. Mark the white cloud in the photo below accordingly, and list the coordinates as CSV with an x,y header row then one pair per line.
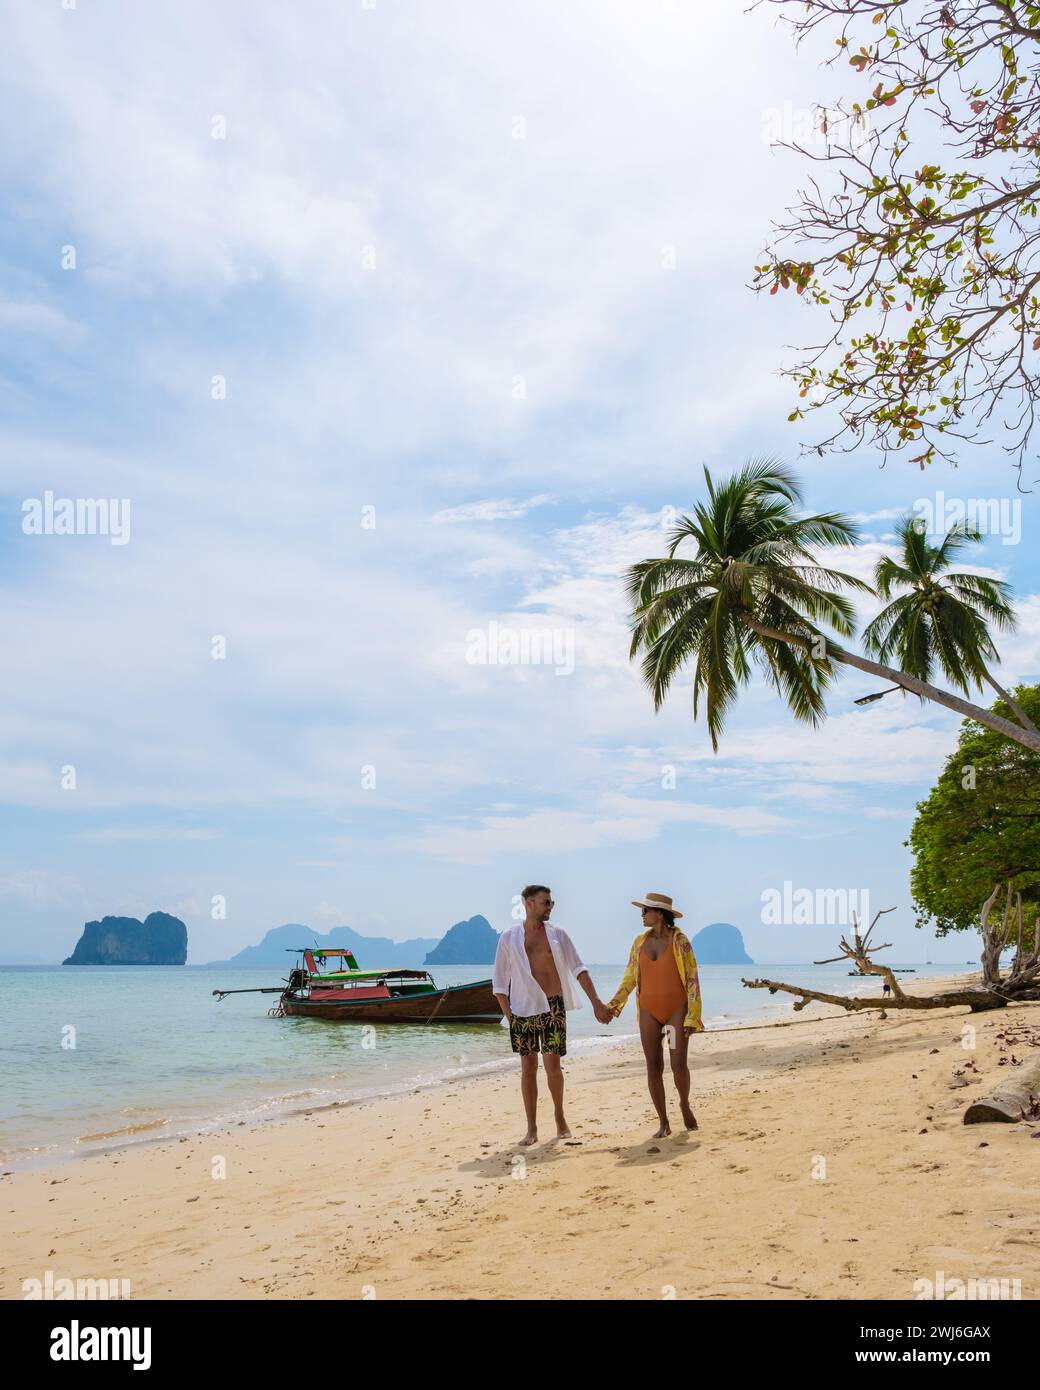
x,y
114,834
181,907
616,820
883,514
1020,652
439,248
40,887
519,339
27,316
492,509
328,912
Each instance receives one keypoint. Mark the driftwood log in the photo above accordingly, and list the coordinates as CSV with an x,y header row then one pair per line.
x,y
994,991
1011,1101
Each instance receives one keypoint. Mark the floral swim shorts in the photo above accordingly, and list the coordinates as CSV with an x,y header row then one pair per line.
x,y
541,1032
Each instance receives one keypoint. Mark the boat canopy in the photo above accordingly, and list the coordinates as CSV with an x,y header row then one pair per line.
x,y
312,955
373,974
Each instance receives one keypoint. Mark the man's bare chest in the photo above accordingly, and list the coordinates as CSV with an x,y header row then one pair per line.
x,y
539,956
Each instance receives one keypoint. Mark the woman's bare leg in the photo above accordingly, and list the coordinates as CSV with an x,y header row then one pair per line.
x,y
678,1043
650,1037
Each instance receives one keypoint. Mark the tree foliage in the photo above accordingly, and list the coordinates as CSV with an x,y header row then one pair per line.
x,y
979,826
754,593
917,231
754,563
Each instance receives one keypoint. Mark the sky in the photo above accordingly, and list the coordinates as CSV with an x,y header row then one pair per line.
x,y
397,331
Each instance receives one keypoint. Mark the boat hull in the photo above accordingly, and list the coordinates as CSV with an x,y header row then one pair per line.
x,y
474,1003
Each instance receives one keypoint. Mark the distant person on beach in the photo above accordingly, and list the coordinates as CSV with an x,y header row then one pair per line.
x,y
662,970
536,966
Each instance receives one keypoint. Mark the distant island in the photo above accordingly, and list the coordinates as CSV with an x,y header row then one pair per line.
x,y
159,940
720,944
372,952
473,942
163,940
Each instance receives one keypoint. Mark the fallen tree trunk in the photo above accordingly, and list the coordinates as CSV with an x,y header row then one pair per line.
x,y
978,1000
993,993
1012,1100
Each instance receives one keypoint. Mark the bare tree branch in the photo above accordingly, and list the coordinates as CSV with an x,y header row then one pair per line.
x,y
994,992
922,247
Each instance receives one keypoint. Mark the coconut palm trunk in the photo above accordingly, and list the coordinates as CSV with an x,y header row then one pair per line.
x,y
1012,705
1027,737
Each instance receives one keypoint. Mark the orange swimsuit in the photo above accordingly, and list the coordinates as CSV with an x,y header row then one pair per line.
x,y
661,990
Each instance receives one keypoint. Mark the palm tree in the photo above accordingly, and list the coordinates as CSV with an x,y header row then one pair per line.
x,y
940,618
754,592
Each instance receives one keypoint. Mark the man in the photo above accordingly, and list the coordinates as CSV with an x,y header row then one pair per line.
x,y
536,966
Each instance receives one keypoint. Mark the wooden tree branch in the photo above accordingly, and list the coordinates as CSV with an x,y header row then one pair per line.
x,y
978,1000
859,954
994,992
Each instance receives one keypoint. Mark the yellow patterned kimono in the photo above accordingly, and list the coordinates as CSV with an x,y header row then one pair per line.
x,y
687,963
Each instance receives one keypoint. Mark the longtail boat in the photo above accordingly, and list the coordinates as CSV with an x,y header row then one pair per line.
x,y
351,994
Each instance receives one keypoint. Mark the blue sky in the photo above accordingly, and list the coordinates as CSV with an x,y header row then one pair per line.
x,y
482,269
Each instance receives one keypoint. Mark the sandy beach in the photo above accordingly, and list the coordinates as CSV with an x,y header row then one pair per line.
x,y
831,1163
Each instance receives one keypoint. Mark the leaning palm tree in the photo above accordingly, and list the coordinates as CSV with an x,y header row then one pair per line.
x,y
755,593
940,619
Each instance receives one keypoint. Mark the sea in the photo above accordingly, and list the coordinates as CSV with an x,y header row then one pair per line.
x,y
94,1058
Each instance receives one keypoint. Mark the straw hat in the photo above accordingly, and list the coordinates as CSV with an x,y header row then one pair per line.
x,y
659,900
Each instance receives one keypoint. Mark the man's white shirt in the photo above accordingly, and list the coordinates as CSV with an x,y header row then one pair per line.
x,y
512,973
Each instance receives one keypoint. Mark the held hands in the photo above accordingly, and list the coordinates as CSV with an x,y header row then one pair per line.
x,y
603,1014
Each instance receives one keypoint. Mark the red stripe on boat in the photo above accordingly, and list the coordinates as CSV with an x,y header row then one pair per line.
x,y
330,994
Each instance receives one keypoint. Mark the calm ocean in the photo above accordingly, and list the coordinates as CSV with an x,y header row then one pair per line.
x,y
155,1054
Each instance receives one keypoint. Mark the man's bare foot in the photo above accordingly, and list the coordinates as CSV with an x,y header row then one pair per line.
x,y
563,1130
531,1137
663,1132
690,1119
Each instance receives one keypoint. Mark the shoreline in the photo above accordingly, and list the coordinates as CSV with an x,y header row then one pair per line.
x,y
428,1195
268,1109
274,1108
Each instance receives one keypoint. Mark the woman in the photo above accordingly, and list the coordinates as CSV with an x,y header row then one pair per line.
x,y
663,972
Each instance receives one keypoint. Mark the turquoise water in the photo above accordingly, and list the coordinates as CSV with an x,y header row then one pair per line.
x,y
155,1054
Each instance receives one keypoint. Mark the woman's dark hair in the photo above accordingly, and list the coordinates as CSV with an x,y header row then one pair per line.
x,y
669,917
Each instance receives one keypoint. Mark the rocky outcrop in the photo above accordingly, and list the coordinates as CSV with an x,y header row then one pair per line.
x,y
473,942
720,944
159,940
